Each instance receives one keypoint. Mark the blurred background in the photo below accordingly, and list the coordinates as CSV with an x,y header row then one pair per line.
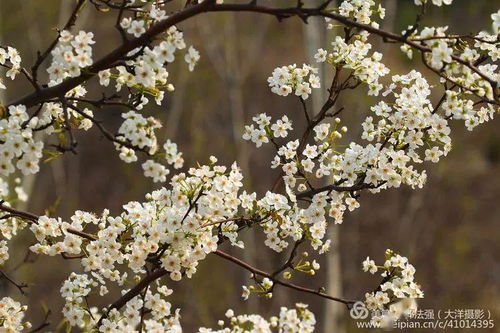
x,y
449,230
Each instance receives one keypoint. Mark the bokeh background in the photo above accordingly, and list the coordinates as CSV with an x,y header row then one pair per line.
x,y
449,229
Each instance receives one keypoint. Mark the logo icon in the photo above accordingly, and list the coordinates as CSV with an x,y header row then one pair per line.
x,y
359,311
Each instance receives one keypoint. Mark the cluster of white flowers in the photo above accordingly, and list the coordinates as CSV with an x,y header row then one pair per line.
x,y
295,222
139,25
74,291
9,227
408,131
11,316
10,54
54,113
410,123
398,283
487,43
265,130
4,188
4,252
140,133
478,79
299,319
354,56
291,220
434,2
149,72
172,154
495,17
162,319
18,143
173,227
287,79
71,54
192,57
76,309
155,170
148,68
460,107
361,10
442,50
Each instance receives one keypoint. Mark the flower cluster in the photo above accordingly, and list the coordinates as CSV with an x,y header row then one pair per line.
x,y
76,310
11,316
410,123
54,113
299,319
434,2
4,188
408,131
354,56
9,227
172,154
265,130
288,79
155,170
459,60
4,252
495,17
70,56
149,68
10,54
139,132
361,10
174,228
398,283
74,291
462,108
18,147
162,319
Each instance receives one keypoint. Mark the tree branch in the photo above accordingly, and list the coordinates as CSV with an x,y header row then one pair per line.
x,y
111,58
259,272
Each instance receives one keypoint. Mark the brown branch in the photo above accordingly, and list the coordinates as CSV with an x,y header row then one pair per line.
x,y
32,218
19,286
107,134
261,273
136,290
289,262
44,324
235,219
334,187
